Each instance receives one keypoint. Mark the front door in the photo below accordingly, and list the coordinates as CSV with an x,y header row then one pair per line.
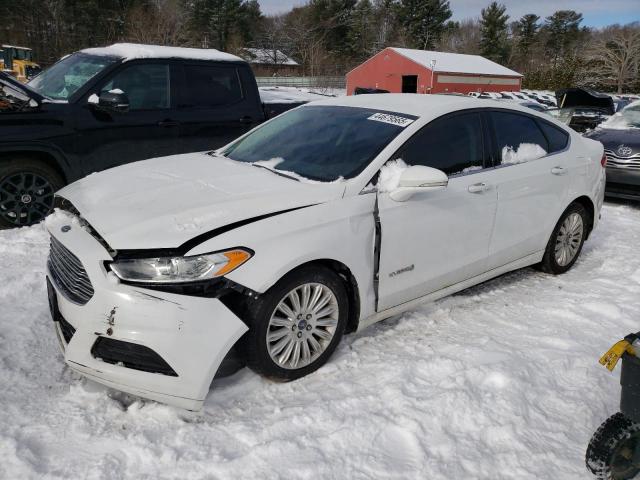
x,y
437,239
147,130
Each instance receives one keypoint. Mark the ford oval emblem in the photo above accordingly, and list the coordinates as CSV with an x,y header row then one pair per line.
x,y
65,228
624,151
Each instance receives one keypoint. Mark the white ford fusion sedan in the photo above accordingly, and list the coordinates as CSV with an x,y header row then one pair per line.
x,y
322,221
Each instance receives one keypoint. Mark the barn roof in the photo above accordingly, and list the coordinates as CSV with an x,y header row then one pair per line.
x,y
456,62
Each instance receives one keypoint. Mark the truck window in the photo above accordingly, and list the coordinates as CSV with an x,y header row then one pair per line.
x,y
213,85
146,85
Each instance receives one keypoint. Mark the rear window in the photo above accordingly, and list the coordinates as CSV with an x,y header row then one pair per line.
x,y
513,132
213,85
558,140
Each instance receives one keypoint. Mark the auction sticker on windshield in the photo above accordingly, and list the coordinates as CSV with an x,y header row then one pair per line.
x,y
392,119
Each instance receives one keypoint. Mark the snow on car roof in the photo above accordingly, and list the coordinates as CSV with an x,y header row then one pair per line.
x,y
132,51
456,62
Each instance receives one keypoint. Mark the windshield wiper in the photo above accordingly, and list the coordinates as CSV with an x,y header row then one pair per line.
x,y
277,172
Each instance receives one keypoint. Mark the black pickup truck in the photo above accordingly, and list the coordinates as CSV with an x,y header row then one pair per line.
x,y
103,107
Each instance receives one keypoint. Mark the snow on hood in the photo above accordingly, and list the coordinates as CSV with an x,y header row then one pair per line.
x,y
164,202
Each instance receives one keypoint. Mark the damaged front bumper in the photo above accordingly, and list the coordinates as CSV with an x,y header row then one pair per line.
x,y
157,345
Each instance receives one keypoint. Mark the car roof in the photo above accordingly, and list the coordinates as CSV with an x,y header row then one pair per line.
x,y
420,105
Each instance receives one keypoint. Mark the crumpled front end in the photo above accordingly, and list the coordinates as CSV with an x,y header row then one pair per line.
x,y
157,345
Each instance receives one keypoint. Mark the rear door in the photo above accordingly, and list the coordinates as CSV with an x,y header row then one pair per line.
x,y
437,239
218,102
534,168
147,130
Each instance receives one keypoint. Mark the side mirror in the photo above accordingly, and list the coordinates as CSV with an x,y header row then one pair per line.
x,y
114,101
418,179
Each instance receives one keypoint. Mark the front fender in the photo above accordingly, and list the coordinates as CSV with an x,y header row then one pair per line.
x,y
341,230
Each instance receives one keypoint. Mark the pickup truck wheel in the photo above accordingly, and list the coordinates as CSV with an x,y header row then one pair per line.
x,y
26,191
296,325
566,241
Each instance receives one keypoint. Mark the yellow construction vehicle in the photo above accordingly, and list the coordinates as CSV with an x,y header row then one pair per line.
x,y
18,61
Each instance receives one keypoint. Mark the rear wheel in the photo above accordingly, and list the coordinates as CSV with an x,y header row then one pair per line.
x,y
296,325
566,241
27,187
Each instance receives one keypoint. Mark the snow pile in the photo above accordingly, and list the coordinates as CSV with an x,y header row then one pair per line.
x,y
524,153
390,173
134,51
292,95
501,381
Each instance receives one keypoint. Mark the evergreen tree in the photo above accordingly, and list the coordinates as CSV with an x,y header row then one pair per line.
x,y
361,34
494,43
424,21
525,31
217,20
563,33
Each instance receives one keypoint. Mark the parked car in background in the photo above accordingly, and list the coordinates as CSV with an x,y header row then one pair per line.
x,y
620,135
538,107
322,221
103,107
583,109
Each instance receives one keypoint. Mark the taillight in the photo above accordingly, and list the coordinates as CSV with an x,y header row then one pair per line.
x,y
603,160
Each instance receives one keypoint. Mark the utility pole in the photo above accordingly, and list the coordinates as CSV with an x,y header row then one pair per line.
x,y
432,66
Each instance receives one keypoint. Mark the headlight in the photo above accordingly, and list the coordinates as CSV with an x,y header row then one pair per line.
x,y
180,269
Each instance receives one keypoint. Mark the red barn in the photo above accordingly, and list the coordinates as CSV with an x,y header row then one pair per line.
x,y
403,70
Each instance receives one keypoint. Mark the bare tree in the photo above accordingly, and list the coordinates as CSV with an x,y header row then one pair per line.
x,y
616,54
159,22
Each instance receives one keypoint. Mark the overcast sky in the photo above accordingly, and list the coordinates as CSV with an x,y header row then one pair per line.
x,y
596,12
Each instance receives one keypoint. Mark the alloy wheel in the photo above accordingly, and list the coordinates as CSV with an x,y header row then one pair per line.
x,y
569,239
25,198
302,326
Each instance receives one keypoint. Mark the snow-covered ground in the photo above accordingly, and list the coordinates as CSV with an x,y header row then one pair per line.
x,y
500,381
294,94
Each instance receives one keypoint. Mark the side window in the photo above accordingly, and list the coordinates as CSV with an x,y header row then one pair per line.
x,y
451,144
213,85
146,85
558,140
519,137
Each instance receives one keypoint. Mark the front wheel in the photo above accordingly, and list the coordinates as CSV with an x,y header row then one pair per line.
x,y
614,450
566,241
296,325
27,188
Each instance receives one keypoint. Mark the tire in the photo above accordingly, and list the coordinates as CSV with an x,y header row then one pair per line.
x,y
27,186
263,356
551,261
610,447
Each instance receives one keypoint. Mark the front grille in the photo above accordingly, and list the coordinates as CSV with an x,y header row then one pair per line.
x,y
130,355
68,274
616,161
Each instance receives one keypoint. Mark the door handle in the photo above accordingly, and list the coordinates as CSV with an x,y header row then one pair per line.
x,y
478,188
168,123
246,119
559,171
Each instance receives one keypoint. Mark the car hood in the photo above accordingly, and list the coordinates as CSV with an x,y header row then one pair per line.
x,y
583,97
614,139
165,202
